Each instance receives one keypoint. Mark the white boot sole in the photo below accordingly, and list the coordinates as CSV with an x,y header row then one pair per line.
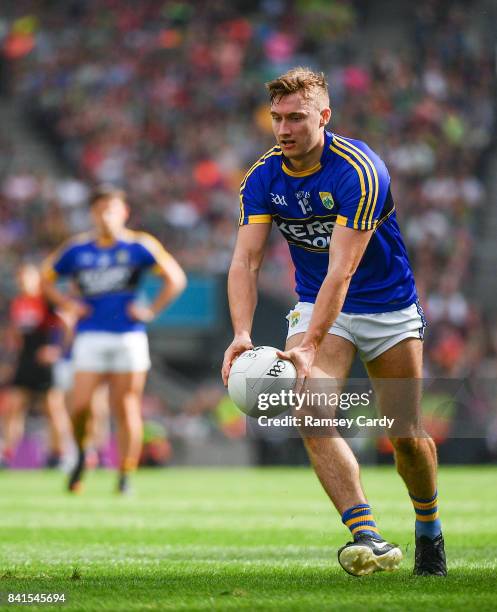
x,y
361,560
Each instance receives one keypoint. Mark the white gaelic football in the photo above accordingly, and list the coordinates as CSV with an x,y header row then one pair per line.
x,y
256,371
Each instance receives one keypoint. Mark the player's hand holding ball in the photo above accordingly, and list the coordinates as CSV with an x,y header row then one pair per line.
x,y
303,359
239,345
258,374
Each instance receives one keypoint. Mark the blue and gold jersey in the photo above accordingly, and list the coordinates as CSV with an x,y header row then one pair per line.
x,y
350,186
107,277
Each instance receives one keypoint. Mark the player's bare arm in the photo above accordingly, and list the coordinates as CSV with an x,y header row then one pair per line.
x,y
61,300
347,247
174,283
242,288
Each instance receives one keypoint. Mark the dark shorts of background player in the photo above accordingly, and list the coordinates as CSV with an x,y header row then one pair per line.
x,y
33,377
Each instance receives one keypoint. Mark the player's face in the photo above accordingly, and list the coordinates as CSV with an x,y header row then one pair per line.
x,y
297,124
28,279
109,215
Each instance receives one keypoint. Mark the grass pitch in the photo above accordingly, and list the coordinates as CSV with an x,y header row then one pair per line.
x,y
234,539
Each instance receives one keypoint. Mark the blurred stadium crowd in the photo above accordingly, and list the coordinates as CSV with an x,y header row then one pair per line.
x,y
166,99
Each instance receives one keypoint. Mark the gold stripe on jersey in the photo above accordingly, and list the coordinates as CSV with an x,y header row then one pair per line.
x,y
153,246
361,181
358,222
383,219
295,173
260,219
376,182
276,150
328,216
252,167
242,210
48,271
341,220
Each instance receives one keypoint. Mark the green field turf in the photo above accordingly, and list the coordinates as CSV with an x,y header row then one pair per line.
x,y
204,539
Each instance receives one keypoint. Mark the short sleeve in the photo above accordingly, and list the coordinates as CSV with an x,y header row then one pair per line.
x,y
60,263
153,253
362,188
253,203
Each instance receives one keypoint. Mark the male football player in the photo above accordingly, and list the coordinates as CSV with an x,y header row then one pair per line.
x,y
34,330
330,197
111,343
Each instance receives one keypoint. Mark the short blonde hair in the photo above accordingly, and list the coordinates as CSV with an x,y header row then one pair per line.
x,y
312,85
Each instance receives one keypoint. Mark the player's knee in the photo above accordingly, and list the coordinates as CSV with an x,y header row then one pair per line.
x,y
130,402
80,405
80,402
130,411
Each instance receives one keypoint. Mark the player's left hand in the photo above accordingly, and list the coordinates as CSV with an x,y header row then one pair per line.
x,y
138,312
303,360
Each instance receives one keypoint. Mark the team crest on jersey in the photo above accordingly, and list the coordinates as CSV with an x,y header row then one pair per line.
x,y
327,199
122,257
85,258
104,260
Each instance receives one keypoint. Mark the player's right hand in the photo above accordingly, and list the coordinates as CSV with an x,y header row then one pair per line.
x,y
239,345
75,308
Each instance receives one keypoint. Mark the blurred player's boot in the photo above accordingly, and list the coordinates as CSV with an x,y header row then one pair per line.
x,y
123,484
368,554
75,477
430,557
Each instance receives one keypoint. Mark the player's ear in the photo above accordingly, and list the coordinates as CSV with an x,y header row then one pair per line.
x,y
325,117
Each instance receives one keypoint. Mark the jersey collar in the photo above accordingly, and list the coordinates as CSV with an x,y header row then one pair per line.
x,y
106,243
328,137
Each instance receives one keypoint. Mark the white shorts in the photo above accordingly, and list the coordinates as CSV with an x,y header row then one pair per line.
x,y
372,334
110,352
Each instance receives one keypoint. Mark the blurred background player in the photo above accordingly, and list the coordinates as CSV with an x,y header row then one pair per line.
x,y
34,335
110,343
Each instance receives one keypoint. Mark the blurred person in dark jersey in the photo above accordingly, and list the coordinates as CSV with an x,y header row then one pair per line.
x,y
34,334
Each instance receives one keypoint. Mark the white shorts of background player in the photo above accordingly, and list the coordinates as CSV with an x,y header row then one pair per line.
x,y
111,352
